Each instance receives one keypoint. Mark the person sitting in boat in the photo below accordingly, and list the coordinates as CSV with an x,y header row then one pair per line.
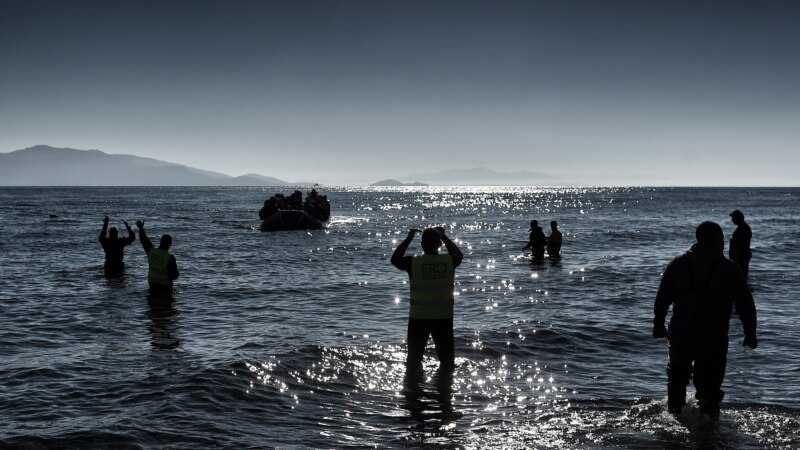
x,y
280,201
311,205
296,200
270,208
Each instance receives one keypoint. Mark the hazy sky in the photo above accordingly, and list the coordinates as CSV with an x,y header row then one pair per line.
x,y
594,92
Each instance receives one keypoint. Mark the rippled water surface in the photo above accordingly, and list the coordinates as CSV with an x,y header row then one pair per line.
x,y
297,338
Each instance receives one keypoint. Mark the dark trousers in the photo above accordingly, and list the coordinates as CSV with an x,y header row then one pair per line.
x,y
111,269
744,263
703,360
418,332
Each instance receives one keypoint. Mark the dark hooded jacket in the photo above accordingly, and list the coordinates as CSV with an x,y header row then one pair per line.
x,y
703,286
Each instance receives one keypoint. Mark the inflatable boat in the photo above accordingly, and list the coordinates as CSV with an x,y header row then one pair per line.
x,y
290,219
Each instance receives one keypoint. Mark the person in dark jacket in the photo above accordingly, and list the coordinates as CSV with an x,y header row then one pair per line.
x,y
162,267
739,249
114,248
536,240
702,286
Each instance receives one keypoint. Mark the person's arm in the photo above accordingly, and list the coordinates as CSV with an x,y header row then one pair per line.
x,y
530,242
146,244
131,235
398,257
172,267
663,301
104,230
452,248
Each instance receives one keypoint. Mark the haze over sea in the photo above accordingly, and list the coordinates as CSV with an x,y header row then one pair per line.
x,y
297,338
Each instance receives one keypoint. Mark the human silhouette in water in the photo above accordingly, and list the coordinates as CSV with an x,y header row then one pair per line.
x,y
162,267
702,286
554,241
114,248
739,249
431,280
536,240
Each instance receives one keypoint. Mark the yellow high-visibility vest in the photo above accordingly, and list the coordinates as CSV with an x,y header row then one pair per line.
x,y
432,282
158,261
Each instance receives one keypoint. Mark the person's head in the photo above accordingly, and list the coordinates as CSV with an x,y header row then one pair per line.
x,y
431,240
737,217
553,225
534,224
113,232
166,242
710,233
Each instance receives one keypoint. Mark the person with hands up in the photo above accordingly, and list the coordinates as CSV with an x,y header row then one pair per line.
x,y
114,248
432,281
162,267
702,286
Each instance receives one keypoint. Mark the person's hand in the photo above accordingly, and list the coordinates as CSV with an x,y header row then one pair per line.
x,y
126,224
412,232
440,230
659,331
750,341
105,220
139,223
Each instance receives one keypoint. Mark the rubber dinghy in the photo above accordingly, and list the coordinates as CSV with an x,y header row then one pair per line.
x,y
291,220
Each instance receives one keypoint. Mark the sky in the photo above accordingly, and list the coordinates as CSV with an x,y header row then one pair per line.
x,y
340,92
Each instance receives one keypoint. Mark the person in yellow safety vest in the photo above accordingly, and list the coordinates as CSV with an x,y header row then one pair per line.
x,y
432,280
162,267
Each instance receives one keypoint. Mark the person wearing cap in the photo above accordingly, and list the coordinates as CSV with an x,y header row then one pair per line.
x,y
702,286
162,267
536,240
739,249
114,248
432,281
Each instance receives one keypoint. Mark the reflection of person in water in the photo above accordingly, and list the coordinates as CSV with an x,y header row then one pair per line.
x,y
739,249
536,240
163,323
114,248
432,280
702,286
162,267
554,240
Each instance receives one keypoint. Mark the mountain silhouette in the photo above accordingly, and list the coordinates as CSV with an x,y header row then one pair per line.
x,y
482,176
43,165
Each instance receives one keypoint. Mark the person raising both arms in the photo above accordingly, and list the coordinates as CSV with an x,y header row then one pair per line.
x,y
114,248
432,281
162,267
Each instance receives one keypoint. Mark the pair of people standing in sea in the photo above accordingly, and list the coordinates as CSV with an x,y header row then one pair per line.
x,y
162,266
537,241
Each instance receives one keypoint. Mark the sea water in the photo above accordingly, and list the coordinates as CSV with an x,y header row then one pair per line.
x,y
296,339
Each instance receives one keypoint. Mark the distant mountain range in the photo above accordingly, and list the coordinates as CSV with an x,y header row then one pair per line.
x,y
480,176
43,165
392,182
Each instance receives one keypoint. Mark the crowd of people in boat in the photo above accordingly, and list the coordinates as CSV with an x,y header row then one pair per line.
x,y
315,205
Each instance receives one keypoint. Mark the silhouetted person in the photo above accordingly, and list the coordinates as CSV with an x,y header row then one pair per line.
x,y
554,240
270,208
536,240
739,249
114,248
431,280
162,267
702,286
